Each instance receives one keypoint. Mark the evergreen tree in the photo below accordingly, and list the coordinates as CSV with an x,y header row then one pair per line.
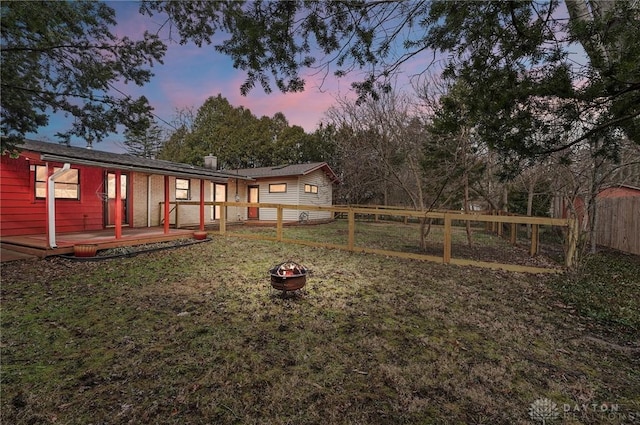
x,y
62,56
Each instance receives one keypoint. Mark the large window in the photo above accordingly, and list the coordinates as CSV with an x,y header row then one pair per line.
x,y
278,188
183,189
67,186
310,188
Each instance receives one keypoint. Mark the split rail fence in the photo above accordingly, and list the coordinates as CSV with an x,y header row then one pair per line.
x,y
448,217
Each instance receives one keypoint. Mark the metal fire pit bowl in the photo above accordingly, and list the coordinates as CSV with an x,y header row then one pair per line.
x,y
288,276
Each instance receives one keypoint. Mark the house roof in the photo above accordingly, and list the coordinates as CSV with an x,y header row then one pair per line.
x,y
289,170
74,155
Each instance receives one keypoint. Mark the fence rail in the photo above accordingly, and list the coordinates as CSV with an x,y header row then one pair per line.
x,y
448,218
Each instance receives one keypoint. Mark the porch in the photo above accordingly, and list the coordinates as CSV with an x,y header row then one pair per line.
x,y
37,244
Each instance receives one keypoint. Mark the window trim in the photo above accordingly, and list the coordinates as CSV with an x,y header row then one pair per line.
x,y
311,188
275,188
188,189
58,186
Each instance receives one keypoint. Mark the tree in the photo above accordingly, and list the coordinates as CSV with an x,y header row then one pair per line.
x,y
146,143
377,151
62,57
515,57
237,137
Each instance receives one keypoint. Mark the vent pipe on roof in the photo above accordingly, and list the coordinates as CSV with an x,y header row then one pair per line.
x,y
211,161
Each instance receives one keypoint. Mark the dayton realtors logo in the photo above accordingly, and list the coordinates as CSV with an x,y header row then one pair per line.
x,y
544,410
547,412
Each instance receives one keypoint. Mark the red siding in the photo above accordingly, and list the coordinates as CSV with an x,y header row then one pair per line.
x,y
22,214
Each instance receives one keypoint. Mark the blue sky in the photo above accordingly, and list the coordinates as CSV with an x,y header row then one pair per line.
x,y
190,75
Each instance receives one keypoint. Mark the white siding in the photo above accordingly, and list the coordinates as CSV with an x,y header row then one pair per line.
x,y
324,196
290,197
295,195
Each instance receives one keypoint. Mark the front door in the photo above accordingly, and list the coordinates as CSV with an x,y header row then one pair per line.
x,y
110,199
252,213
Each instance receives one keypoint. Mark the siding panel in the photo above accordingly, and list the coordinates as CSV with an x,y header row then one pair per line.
x,y
22,214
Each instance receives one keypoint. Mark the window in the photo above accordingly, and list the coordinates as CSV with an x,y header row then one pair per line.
x,y
310,188
67,186
278,188
183,189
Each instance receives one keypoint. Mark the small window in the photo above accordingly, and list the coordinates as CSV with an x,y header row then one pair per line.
x,y
278,188
183,189
67,186
310,188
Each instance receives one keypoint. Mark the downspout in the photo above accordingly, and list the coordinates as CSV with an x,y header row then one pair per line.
x,y
51,203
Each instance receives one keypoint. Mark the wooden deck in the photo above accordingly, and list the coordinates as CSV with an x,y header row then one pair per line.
x,y
37,244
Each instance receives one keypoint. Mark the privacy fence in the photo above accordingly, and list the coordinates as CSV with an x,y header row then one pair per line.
x,y
451,223
618,223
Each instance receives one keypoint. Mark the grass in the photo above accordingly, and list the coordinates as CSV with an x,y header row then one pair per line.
x,y
398,237
196,335
605,287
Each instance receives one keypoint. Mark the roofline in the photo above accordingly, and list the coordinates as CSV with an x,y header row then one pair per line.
x,y
620,185
140,169
318,166
115,161
328,170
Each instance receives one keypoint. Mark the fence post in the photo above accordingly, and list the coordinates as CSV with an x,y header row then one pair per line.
x,y
352,230
446,255
514,233
534,240
279,223
223,219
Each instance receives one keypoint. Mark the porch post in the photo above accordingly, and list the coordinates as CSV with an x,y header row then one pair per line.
x,y
118,212
201,204
166,204
51,204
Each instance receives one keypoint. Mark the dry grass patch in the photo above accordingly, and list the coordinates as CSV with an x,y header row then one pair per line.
x,y
197,335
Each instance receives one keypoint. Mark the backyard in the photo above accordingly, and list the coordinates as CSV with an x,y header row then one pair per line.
x,y
196,335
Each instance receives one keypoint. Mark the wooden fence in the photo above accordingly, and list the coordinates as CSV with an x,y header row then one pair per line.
x,y
618,223
446,217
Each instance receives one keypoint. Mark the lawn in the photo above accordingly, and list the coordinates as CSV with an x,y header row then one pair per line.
x,y
405,238
196,335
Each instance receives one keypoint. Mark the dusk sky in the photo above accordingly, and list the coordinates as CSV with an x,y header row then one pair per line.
x,y
190,75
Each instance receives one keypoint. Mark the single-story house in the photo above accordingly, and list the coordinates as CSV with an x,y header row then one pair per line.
x,y
296,184
52,188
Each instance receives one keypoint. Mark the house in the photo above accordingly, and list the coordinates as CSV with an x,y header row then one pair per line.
x,y
54,189
295,184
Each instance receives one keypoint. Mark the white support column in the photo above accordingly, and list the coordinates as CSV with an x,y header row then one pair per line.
x,y
51,203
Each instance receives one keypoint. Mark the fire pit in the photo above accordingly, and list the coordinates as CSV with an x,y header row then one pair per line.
x,y
288,276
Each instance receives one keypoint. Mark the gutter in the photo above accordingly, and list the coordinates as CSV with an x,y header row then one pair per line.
x,y
51,203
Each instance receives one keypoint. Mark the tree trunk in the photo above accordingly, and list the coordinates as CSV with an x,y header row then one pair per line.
x,y
466,206
530,193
